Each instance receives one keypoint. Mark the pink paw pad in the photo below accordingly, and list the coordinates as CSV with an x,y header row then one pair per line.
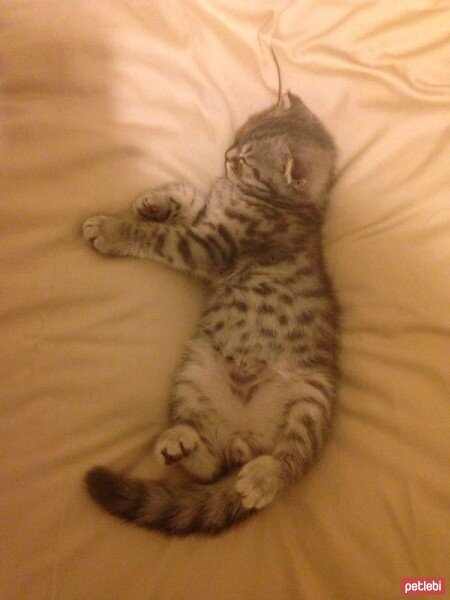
x,y
153,212
176,443
170,459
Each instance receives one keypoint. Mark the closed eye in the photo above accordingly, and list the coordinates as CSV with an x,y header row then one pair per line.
x,y
260,183
249,163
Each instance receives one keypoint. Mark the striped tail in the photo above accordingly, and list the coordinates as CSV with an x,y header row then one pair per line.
x,y
175,510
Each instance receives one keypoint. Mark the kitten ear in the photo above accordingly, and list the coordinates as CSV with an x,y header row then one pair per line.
x,y
285,101
295,172
299,175
288,100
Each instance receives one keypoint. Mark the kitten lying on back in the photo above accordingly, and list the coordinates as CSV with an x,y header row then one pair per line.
x,y
257,386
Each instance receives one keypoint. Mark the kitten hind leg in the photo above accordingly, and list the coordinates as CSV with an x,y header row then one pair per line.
x,y
183,443
175,202
301,437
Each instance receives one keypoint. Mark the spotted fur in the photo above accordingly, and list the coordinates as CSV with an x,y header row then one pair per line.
x,y
255,394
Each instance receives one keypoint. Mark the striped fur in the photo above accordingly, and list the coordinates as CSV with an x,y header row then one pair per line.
x,y
177,510
255,394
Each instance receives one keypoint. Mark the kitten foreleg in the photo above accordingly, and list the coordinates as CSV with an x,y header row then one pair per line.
x,y
177,246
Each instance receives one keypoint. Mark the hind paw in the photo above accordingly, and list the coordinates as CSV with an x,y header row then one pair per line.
x,y
176,443
259,481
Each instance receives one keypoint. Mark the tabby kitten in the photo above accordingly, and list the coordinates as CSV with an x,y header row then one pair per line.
x,y
253,399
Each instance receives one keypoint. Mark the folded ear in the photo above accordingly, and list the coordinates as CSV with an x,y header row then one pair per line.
x,y
285,101
295,172
288,99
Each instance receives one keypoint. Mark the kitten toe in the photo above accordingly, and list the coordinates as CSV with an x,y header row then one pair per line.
x,y
104,233
258,482
240,451
92,227
175,444
149,207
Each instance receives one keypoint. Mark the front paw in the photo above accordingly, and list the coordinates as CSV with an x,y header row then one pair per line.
x,y
104,234
155,205
259,481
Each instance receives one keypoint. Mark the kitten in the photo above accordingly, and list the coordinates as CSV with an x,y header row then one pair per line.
x,y
253,399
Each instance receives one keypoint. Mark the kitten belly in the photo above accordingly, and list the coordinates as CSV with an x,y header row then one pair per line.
x,y
245,393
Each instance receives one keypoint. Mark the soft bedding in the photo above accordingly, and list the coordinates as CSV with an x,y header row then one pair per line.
x,y
101,100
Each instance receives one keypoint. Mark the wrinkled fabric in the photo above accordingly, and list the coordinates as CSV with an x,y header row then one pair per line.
x,y
101,100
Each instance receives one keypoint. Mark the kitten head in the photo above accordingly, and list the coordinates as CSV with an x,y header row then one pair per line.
x,y
283,154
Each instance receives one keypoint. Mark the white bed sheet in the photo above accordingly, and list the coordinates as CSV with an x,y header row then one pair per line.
x,y
100,100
